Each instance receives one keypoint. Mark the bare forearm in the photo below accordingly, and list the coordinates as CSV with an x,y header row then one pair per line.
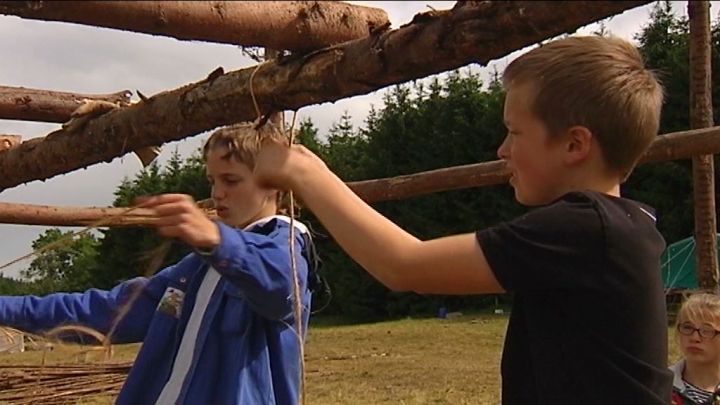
x,y
450,265
372,240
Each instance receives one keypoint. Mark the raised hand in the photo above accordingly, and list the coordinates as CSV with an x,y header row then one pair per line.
x,y
178,216
279,166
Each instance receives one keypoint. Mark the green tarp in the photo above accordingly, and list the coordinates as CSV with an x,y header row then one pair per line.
x,y
678,265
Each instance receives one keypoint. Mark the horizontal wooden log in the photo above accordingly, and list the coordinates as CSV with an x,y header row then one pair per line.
x,y
433,43
32,214
20,103
673,146
291,25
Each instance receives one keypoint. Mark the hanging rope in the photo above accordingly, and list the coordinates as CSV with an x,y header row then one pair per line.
x,y
297,296
296,280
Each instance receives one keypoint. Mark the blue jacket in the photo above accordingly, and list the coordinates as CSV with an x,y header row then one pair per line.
x,y
245,352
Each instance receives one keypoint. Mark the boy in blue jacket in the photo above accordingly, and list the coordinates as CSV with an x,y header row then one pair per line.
x,y
218,327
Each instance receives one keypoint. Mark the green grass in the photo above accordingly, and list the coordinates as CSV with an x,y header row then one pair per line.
x,y
412,361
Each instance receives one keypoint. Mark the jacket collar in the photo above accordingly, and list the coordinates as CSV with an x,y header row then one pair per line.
x,y
262,221
677,370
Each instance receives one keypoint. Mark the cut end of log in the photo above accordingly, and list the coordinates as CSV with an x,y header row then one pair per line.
x,y
9,141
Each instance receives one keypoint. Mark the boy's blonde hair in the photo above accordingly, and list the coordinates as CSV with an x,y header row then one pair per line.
x,y
242,142
600,83
700,308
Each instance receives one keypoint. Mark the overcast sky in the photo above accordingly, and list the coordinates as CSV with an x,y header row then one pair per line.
x,y
84,59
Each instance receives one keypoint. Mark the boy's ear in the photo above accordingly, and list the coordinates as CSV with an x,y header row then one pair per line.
x,y
579,144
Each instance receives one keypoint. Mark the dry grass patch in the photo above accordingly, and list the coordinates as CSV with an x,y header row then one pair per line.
x,y
418,361
412,361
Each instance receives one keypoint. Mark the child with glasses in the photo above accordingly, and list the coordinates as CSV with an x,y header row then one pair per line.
x,y
697,374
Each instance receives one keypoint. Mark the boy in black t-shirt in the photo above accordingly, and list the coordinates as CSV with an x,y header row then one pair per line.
x,y
588,324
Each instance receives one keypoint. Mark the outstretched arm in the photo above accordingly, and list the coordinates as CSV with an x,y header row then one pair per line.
x,y
258,265
449,265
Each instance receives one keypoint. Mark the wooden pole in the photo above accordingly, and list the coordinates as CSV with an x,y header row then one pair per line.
x,y
20,103
434,42
292,25
673,146
701,116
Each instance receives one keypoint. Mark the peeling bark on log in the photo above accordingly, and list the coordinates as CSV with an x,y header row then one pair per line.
x,y
19,103
433,43
291,25
673,146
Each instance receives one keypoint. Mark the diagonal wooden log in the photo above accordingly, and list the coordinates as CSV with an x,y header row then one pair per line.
x,y
291,25
673,146
20,103
434,42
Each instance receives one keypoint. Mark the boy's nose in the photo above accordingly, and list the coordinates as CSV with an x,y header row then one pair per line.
x,y
217,194
502,151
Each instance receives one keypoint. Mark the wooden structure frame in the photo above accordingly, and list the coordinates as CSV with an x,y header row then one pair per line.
x,y
337,51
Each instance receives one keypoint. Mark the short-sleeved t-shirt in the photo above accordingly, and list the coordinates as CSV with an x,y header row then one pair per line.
x,y
588,323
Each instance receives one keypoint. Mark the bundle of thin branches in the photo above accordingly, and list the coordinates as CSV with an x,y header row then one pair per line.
x,y
60,384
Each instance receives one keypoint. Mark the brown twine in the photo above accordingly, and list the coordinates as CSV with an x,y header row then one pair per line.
x,y
296,280
252,91
297,300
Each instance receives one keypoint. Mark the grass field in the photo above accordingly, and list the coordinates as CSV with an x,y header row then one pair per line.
x,y
412,361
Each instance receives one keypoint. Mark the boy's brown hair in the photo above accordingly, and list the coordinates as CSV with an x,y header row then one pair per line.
x,y
700,308
600,83
242,142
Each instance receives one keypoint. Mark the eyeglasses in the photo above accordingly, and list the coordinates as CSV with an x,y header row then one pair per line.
x,y
705,332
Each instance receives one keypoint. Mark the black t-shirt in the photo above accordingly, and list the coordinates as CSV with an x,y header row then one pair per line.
x,y
588,323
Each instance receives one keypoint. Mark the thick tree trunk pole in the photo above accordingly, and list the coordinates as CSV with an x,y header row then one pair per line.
x,y
19,103
701,116
292,25
677,145
435,42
